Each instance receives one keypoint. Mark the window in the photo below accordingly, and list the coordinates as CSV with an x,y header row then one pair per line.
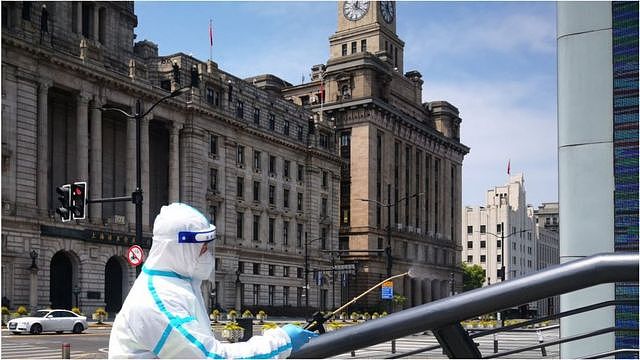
x,y
363,45
514,246
483,229
256,116
256,228
470,229
325,179
483,244
499,258
483,258
241,267
87,19
469,244
209,95
285,234
300,132
515,260
240,187
499,228
469,258
285,128
300,172
323,207
298,296
213,211
213,179
272,122
324,140
299,235
272,292
272,164
272,270
299,273
354,47
240,155
213,145
230,93
257,160
256,268
239,225
343,243
344,49
499,243
529,250
26,10
240,110
380,242
272,194
256,293
285,198
285,168
272,230
285,271
299,201
256,191
285,295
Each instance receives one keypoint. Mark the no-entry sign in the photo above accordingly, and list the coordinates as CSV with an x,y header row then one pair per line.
x,y
135,255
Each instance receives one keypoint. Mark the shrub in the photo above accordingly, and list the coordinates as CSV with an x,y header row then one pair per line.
x,y
75,310
269,325
101,312
215,312
5,310
22,310
232,325
247,314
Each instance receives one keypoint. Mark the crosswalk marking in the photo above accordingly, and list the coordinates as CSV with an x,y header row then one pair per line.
x,y
21,351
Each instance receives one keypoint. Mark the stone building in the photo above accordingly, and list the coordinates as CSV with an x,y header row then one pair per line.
x,y
400,189
232,148
505,217
547,248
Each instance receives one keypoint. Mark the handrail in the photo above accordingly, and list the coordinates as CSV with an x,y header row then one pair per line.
x,y
556,280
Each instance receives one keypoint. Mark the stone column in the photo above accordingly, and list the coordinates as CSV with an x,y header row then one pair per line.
x,y
131,163
144,159
43,147
96,23
95,175
174,163
82,137
78,6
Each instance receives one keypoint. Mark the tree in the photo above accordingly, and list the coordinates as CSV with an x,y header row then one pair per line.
x,y
473,276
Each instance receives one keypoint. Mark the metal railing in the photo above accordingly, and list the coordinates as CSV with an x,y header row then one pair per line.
x,y
443,316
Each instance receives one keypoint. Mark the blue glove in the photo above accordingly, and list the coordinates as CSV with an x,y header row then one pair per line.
x,y
298,335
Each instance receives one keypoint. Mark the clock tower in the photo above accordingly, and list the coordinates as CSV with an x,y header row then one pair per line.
x,y
367,26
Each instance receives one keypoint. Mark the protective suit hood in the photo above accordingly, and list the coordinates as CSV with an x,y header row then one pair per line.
x,y
167,252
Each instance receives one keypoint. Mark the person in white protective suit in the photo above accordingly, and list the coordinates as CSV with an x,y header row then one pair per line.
x,y
164,315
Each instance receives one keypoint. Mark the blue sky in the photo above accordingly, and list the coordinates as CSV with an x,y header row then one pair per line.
x,y
495,61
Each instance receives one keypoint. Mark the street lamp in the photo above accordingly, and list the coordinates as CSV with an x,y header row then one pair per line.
x,y
136,195
34,255
306,267
387,250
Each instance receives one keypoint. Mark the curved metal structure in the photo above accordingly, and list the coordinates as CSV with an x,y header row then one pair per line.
x,y
448,312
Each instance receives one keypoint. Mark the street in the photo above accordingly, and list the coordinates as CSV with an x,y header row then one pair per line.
x,y
93,343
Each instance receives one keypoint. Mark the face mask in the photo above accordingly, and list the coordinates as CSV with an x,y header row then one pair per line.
x,y
204,266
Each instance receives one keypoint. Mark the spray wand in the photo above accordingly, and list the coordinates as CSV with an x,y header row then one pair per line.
x,y
315,324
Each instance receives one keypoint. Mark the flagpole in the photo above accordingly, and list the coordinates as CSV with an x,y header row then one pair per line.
x,y
211,39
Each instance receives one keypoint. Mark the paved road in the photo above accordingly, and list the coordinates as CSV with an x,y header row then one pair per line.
x,y
92,344
506,341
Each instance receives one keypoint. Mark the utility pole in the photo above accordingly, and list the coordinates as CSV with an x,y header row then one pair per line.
x,y
306,271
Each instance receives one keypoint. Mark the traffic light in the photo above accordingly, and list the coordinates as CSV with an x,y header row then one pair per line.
x,y
64,196
78,199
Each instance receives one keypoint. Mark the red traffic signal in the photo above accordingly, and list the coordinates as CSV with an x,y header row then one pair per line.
x,y
78,199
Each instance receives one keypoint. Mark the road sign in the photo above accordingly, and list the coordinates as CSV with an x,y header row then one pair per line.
x,y
387,290
135,255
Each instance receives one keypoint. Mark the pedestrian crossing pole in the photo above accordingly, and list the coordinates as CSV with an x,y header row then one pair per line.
x,y
66,351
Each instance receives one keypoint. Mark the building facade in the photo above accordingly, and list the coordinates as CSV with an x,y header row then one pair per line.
x,y
400,185
234,149
501,233
547,222
598,160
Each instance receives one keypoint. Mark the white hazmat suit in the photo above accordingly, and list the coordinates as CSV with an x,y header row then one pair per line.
x,y
164,315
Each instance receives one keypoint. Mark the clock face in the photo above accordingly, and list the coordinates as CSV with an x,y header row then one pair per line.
x,y
387,9
355,10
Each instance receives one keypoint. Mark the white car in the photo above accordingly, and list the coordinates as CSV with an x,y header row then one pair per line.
x,y
49,320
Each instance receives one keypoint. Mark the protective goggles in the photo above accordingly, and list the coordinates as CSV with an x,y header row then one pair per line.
x,y
197,236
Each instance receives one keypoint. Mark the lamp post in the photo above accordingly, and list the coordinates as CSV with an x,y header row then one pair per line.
x,y
136,195
238,304
388,205
306,268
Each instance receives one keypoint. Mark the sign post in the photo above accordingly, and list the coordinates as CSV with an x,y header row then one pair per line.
x,y
387,290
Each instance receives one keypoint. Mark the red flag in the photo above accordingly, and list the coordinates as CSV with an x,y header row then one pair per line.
x,y
509,167
210,34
